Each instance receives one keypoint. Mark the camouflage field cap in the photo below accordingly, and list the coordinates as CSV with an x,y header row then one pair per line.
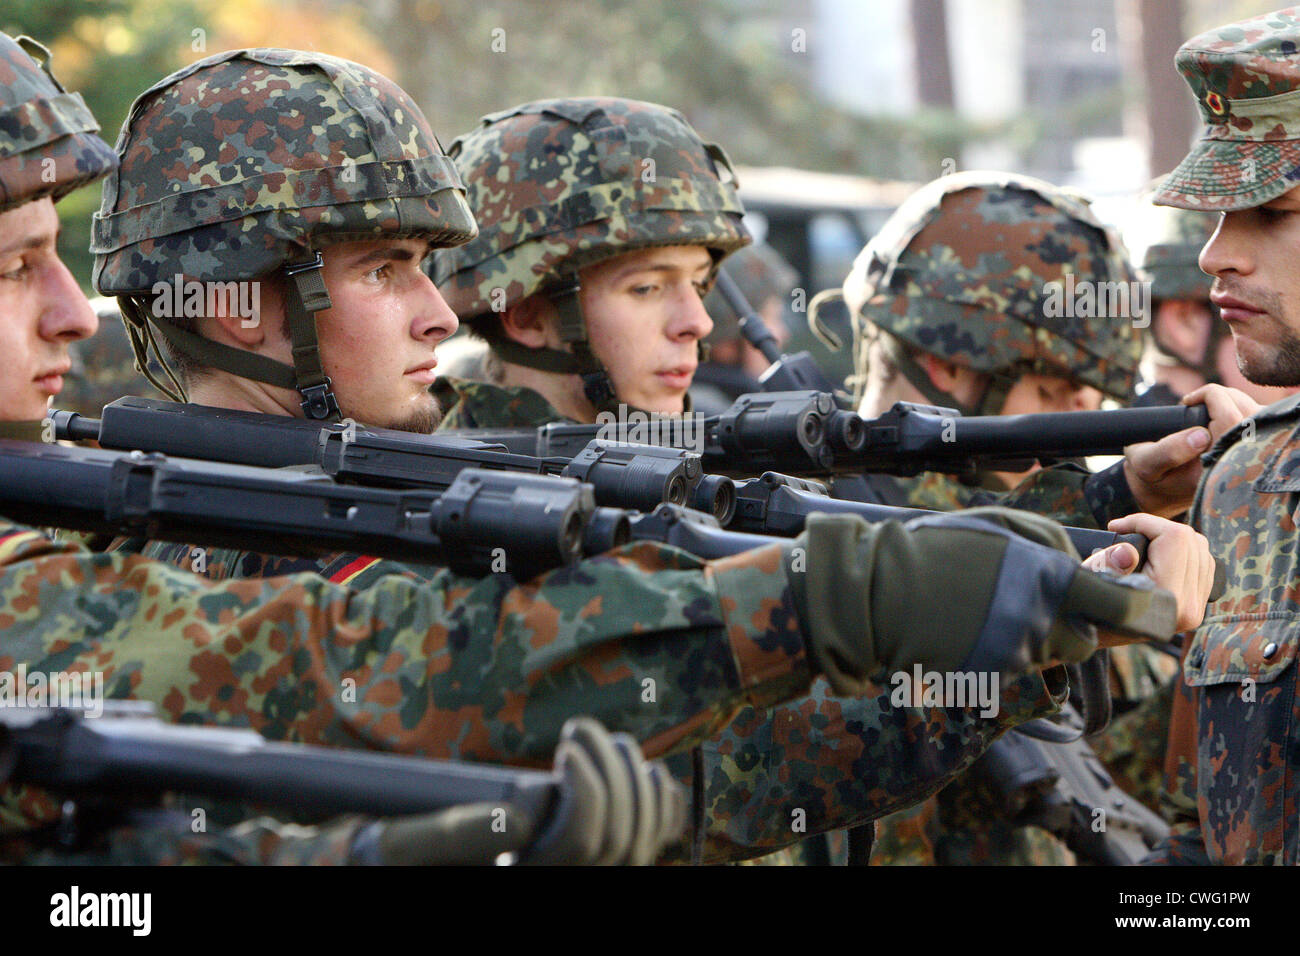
x,y
570,182
48,145
760,273
248,161
1004,274
1246,80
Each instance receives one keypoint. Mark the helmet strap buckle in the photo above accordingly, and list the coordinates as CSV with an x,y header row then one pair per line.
x,y
305,296
598,388
318,401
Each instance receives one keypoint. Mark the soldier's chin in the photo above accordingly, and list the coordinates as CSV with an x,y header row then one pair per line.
x,y
1277,366
422,420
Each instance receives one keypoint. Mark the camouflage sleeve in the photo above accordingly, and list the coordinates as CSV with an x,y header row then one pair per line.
x,y
1074,496
775,776
480,669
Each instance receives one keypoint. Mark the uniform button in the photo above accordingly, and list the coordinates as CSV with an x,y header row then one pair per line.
x,y
1269,650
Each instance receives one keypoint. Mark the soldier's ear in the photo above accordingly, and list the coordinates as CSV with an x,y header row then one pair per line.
x,y
249,312
946,376
531,322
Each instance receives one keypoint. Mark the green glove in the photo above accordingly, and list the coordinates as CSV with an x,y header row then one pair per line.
x,y
986,589
616,808
624,809
471,835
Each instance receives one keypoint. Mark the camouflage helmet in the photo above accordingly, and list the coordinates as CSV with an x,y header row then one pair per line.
x,y
761,274
1173,245
48,145
559,185
983,269
247,162
1167,241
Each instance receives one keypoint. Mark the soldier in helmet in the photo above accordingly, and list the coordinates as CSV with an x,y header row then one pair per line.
x,y
332,216
734,365
578,251
991,334
588,293
953,304
104,614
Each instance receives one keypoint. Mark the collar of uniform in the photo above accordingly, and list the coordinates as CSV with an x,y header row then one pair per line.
x,y
1288,409
486,405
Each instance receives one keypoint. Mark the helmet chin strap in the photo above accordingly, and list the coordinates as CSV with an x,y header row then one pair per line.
x,y
991,398
580,360
305,296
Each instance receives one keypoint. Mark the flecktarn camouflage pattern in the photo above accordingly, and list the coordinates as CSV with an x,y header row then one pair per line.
x,y
1246,80
325,148
828,761
569,182
989,270
1233,773
48,145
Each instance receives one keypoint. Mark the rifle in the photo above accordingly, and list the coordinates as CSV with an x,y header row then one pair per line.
x,y
638,475
621,475
1060,787
807,433
786,372
537,522
129,754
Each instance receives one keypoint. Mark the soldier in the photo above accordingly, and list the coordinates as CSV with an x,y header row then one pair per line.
x,y
48,148
965,320
478,668
734,366
1232,763
527,288
1188,344
468,700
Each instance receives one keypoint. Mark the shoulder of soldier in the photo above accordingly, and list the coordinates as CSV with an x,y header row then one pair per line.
x,y
1279,415
486,405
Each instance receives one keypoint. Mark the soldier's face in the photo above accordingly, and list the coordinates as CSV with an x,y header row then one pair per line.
x,y
1033,394
42,311
645,313
1253,257
377,338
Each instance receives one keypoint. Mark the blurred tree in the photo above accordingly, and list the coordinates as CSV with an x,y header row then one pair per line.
x,y
110,51
734,67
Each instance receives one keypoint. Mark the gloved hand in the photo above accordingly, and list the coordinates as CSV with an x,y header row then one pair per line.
x,y
623,809
616,807
986,589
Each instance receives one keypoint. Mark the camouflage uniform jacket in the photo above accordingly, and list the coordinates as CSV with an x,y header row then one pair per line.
x,y
469,404
959,825
818,763
1235,739
450,667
